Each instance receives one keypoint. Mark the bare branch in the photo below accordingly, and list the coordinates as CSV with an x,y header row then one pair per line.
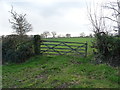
x,y
111,19
19,23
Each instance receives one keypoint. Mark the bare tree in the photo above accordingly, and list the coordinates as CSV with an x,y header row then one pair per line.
x,y
53,34
97,20
42,36
90,35
19,23
59,36
68,35
115,16
46,33
100,28
82,34
103,41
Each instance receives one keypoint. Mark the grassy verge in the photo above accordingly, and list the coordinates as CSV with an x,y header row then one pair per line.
x,y
59,72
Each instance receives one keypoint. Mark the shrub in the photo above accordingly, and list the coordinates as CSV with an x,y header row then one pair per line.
x,y
16,49
108,49
24,52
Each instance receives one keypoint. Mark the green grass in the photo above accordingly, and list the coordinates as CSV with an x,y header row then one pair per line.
x,y
77,39
59,72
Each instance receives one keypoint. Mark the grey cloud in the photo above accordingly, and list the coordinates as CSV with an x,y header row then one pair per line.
x,y
70,4
48,16
53,9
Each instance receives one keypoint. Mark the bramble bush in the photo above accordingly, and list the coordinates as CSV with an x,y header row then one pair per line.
x,y
108,49
16,49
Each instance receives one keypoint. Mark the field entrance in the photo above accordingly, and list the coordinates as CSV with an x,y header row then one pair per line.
x,y
63,48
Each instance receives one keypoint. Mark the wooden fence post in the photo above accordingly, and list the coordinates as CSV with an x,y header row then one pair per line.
x,y
37,44
86,46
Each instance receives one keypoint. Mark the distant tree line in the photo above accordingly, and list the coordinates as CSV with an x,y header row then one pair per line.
x,y
53,34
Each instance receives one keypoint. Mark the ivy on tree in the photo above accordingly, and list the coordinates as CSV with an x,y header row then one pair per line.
x,y
19,23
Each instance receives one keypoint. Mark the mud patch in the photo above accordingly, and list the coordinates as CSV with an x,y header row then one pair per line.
x,y
40,76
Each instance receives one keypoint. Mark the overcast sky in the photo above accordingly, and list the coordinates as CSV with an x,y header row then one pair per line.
x,y
61,16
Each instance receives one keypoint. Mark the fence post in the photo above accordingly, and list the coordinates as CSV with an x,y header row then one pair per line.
x,y
86,46
37,44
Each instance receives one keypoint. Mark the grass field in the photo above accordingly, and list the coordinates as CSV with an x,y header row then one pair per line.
x,y
59,72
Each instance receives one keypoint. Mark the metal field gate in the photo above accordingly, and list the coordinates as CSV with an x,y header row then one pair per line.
x,y
63,48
